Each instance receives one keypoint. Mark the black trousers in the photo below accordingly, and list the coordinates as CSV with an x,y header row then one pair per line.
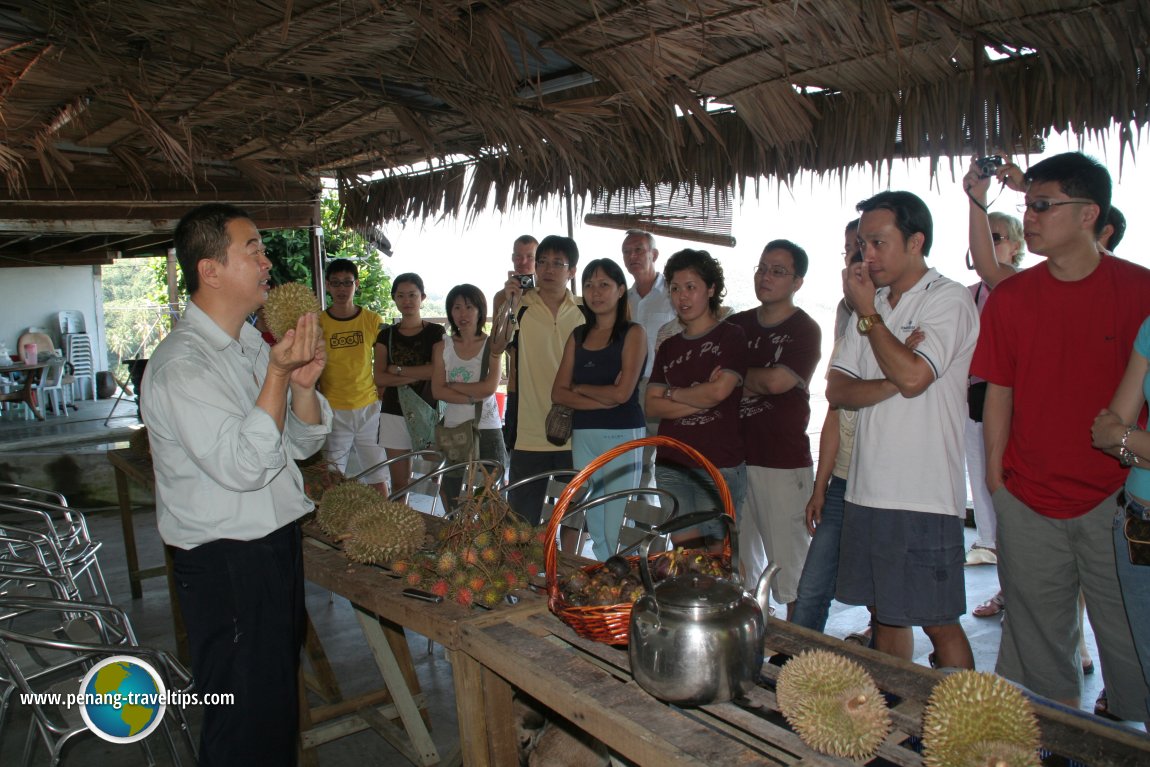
x,y
243,605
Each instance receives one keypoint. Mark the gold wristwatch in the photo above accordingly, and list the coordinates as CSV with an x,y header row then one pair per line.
x,y
866,323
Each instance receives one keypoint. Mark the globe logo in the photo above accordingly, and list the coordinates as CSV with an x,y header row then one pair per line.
x,y
122,699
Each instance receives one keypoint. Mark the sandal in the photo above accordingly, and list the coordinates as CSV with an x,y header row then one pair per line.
x,y
990,607
861,638
1102,707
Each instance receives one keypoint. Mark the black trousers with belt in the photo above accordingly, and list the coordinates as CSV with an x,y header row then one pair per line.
x,y
243,605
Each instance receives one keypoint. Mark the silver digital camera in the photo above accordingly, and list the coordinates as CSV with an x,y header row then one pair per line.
x,y
526,281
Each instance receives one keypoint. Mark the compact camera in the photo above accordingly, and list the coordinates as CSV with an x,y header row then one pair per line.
x,y
526,281
988,166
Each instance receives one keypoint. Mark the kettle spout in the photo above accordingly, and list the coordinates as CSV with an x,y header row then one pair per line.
x,y
763,590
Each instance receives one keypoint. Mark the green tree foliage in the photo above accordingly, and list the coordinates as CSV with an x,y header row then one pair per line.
x,y
290,253
136,310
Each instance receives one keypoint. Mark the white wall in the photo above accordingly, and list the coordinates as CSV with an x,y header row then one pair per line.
x,y
33,296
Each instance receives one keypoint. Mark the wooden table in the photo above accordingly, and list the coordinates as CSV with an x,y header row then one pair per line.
x,y
132,465
384,613
25,393
589,684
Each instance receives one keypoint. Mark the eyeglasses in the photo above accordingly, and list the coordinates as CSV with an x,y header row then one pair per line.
x,y
998,238
773,271
341,283
547,264
1041,206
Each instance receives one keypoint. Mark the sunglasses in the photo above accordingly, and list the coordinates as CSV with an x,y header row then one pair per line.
x,y
1041,206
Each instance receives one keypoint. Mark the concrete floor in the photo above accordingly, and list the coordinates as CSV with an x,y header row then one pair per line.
x,y
83,434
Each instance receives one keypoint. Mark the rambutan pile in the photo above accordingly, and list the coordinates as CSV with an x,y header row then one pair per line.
x,y
484,553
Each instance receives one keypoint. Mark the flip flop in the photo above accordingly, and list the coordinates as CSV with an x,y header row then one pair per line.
x,y
990,607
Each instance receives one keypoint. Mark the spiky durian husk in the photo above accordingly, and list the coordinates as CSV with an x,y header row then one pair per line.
x,y
976,718
833,704
285,305
341,503
385,533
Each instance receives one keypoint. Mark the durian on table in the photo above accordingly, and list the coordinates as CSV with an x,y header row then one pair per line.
x,y
978,719
375,530
285,305
833,704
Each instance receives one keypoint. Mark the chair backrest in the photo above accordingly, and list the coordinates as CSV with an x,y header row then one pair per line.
x,y
557,482
641,515
42,340
53,374
431,483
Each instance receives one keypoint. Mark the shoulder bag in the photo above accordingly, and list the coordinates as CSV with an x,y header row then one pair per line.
x,y
460,444
419,416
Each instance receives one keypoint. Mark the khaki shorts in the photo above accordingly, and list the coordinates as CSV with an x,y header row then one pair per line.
x,y
1043,563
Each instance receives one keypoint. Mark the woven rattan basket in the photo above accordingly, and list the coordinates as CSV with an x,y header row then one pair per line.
x,y
611,624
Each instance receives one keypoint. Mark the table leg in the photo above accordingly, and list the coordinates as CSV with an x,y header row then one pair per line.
x,y
124,496
484,707
395,675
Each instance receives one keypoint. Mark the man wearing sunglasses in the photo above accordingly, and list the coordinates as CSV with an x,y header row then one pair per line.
x,y
1054,346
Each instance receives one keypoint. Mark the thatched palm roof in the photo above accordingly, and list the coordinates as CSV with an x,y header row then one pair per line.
x,y
155,105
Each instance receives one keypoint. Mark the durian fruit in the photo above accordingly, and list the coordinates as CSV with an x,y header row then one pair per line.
x,y
385,533
343,502
285,305
833,704
976,718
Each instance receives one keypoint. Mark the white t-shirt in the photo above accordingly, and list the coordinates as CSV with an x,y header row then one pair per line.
x,y
466,371
908,453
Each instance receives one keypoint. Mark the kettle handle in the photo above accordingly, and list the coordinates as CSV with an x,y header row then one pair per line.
x,y
682,523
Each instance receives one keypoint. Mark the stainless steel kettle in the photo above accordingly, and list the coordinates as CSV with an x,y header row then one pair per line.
x,y
697,639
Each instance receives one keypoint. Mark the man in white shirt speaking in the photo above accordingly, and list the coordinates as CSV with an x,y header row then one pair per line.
x,y
226,417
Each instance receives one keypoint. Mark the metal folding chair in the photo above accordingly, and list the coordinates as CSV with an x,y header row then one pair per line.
x,y
46,643
431,483
64,531
640,515
423,462
572,529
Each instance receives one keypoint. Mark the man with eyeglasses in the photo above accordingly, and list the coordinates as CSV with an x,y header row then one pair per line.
x,y
783,348
650,306
901,551
349,333
549,313
1058,336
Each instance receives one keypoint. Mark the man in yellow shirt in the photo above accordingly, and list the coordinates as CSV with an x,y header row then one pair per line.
x,y
349,334
550,313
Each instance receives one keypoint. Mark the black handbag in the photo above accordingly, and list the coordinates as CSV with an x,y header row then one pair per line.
x,y
975,399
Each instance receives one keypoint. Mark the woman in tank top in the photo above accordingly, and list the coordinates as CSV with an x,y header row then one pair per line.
x,y
599,378
457,362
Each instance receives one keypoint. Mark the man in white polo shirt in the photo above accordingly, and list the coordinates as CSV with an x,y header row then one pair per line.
x,y
902,548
